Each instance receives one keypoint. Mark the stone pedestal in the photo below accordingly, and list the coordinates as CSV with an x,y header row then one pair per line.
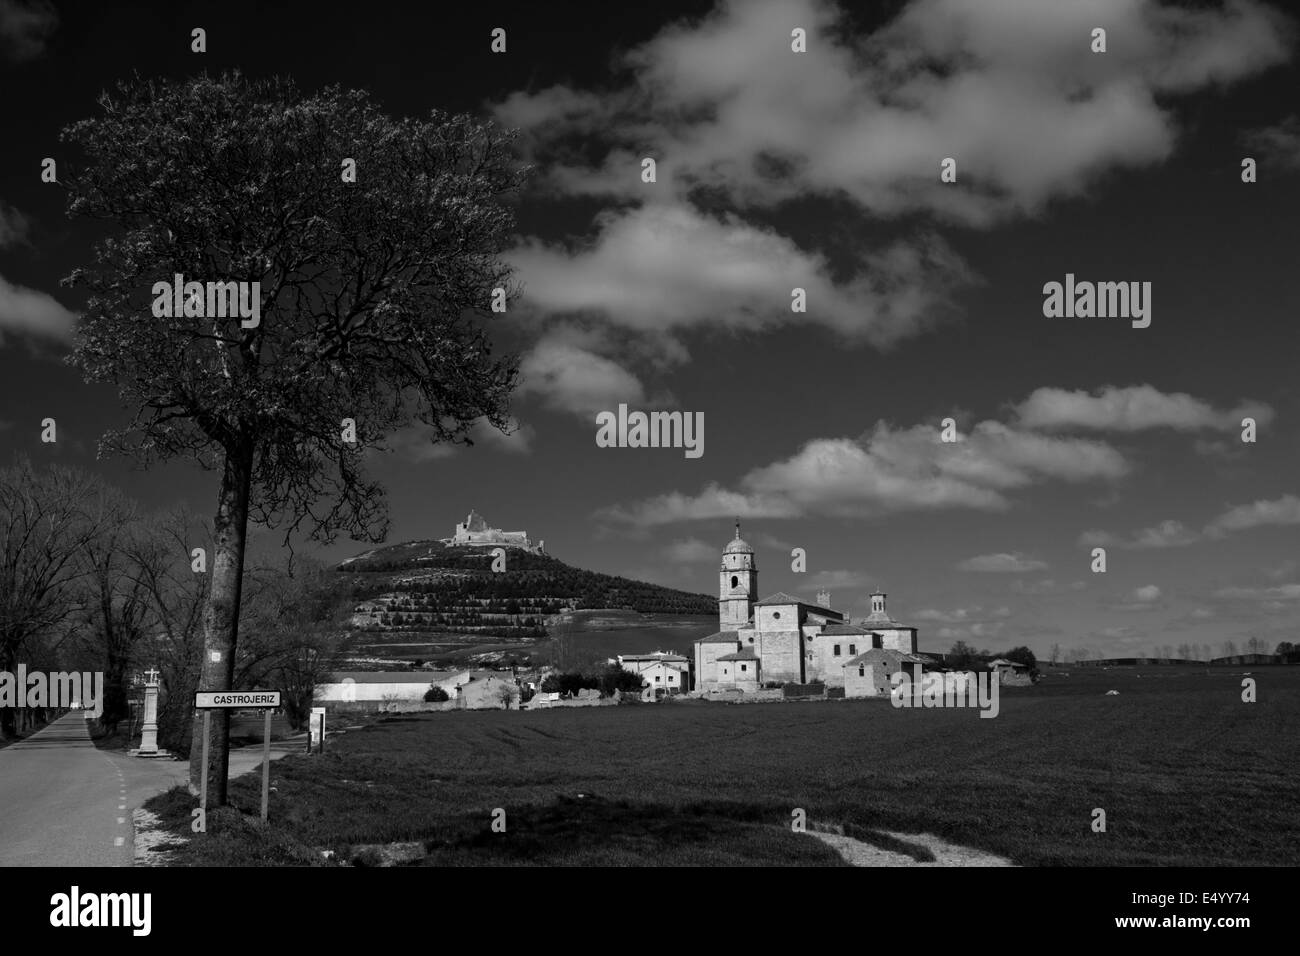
x,y
149,730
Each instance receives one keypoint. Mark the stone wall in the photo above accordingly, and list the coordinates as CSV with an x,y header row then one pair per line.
x,y
780,652
826,665
867,680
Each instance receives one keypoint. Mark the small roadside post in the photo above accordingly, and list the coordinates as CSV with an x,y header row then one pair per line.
x,y
264,700
318,728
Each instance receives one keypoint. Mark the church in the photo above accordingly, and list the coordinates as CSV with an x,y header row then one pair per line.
x,y
781,639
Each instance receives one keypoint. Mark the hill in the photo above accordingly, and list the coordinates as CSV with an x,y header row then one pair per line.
x,y
451,594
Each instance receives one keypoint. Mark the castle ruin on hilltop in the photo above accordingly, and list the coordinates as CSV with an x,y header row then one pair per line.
x,y
474,532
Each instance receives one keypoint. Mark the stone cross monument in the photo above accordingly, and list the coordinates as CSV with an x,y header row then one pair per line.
x,y
149,730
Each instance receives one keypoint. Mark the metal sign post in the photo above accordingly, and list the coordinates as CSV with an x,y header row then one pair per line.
x,y
264,700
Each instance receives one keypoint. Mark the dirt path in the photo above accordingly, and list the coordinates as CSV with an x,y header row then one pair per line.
x,y
858,853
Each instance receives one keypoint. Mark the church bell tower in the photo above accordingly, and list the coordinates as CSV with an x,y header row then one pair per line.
x,y
737,584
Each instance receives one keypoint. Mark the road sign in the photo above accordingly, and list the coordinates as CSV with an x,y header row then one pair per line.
x,y
207,700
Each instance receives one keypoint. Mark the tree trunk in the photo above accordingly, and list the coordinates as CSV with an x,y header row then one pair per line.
x,y
221,620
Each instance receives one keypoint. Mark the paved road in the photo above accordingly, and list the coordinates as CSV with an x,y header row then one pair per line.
x,y
64,802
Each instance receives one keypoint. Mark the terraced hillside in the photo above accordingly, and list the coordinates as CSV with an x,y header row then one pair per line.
x,y
426,594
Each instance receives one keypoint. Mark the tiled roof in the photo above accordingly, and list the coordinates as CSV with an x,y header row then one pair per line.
x,y
743,655
885,655
780,597
652,657
722,637
835,630
877,619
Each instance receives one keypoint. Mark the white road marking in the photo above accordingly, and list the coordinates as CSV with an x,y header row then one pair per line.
x,y
121,806
121,820
118,841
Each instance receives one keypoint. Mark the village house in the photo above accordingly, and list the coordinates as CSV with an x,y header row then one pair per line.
x,y
1010,672
662,672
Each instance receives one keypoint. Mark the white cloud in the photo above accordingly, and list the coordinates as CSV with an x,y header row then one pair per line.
x,y
1002,563
28,312
666,267
962,615
1042,586
1166,534
1146,594
887,471
1277,145
570,377
1131,409
841,578
732,117
692,551
1281,592
1262,513
414,442
1009,87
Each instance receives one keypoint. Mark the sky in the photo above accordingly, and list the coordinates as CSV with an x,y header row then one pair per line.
x,y
818,170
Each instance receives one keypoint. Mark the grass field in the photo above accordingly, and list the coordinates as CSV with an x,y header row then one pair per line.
x,y
1187,773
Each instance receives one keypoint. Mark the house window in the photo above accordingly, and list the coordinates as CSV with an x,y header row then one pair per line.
x,y
862,672
751,640
853,648
776,615
837,650
735,581
671,678
744,667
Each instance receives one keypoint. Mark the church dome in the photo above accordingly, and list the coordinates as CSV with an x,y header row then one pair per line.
x,y
737,545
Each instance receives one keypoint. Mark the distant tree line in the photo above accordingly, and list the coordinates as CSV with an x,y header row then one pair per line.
x,y
606,679
963,656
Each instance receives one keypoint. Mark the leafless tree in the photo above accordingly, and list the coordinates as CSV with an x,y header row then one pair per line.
x,y
47,518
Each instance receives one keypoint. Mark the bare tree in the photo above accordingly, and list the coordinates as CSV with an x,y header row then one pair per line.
x,y
116,603
507,693
176,595
46,521
296,628
1055,657
1229,649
